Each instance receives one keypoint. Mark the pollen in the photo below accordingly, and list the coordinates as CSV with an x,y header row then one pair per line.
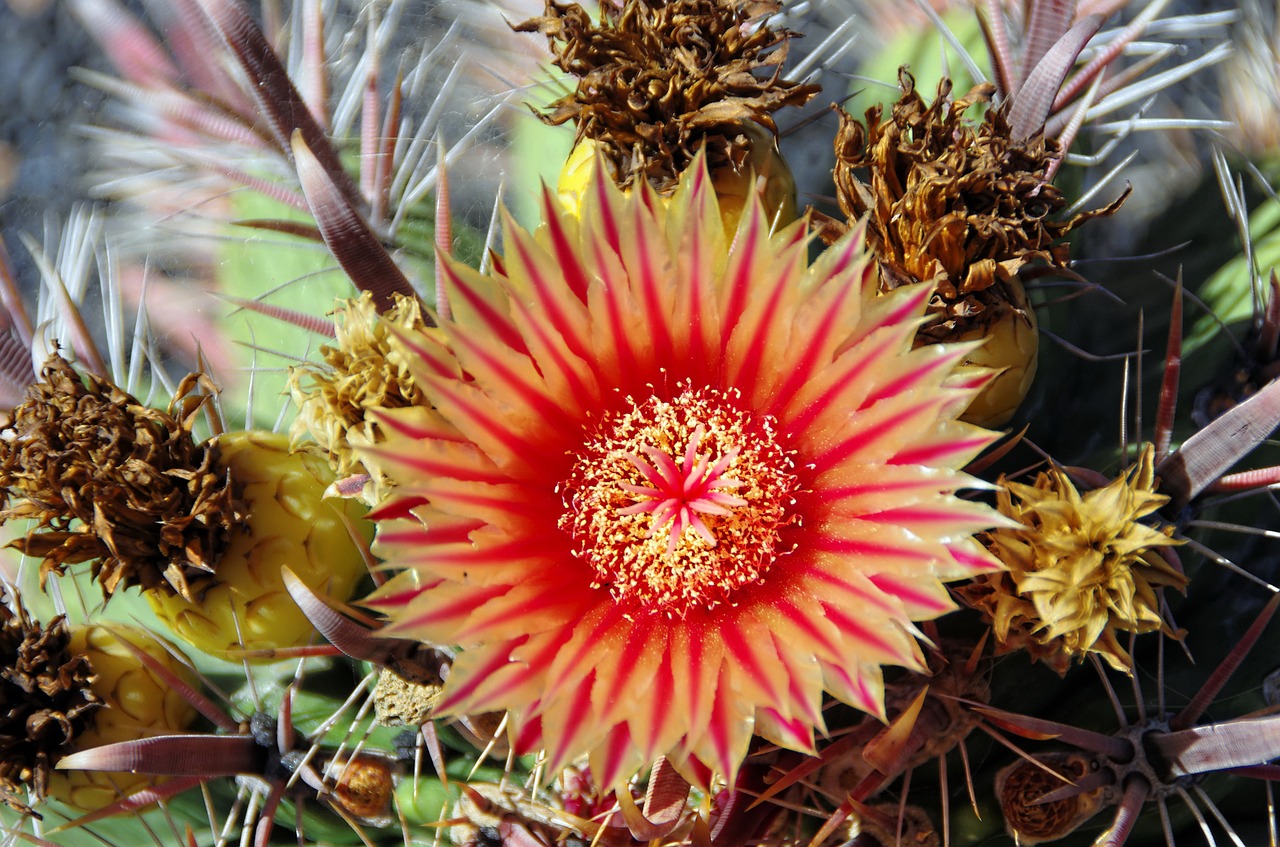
x,y
679,503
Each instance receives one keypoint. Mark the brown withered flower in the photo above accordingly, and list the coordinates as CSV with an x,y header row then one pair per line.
x,y
112,481
45,702
962,205
658,79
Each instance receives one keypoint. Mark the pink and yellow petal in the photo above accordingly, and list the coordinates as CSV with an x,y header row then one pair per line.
x,y
825,405
696,658
629,676
721,742
617,757
754,668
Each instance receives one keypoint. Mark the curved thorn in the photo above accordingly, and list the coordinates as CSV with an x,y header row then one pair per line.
x,y
443,235
351,638
172,755
1043,730
1169,382
663,804
346,233
1087,783
1032,105
1205,457
1213,685
1135,794
1244,742
310,323
134,802
277,98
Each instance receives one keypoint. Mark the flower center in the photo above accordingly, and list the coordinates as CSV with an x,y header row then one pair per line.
x,y
678,503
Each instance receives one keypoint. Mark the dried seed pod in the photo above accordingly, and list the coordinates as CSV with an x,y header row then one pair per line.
x,y
362,786
1021,784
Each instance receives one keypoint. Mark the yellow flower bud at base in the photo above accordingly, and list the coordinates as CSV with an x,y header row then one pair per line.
x,y
1012,348
290,524
138,704
764,165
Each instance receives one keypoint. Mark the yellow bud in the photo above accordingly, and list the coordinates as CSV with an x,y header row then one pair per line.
x,y
764,163
137,704
1013,344
764,166
290,524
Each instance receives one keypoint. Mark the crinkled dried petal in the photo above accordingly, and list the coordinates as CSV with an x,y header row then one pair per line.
x,y
110,480
946,198
964,206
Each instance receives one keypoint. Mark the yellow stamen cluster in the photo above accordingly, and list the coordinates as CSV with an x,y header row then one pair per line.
x,y
1081,569
679,503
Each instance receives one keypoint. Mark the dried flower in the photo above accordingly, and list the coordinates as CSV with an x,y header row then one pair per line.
x,y
1081,568
659,80
203,528
966,207
667,492
114,482
365,370
46,701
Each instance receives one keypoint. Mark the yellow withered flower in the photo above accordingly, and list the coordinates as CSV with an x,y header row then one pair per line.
x,y
1082,569
966,206
659,80
365,370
